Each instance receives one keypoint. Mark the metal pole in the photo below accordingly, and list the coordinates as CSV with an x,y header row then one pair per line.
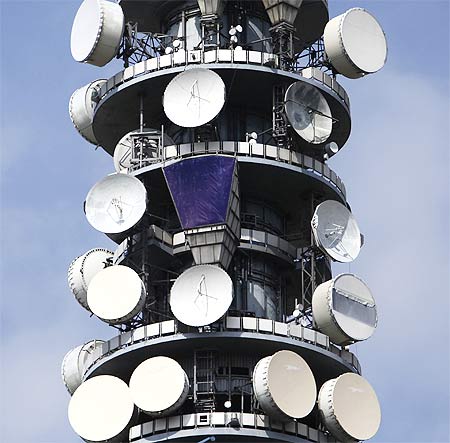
x,y
141,126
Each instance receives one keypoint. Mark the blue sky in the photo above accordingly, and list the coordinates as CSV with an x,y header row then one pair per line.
x,y
395,167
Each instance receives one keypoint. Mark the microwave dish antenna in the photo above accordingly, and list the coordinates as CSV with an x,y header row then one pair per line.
x,y
344,309
194,97
308,112
116,294
83,269
73,365
101,409
355,43
123,150
284,385
201,295
116,203
159,386
97,32
336,231
81,109
349,408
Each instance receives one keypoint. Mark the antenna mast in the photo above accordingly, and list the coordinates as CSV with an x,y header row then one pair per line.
x,y
228,323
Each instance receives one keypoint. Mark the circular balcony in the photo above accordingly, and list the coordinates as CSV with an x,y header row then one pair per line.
x,y
248,76
257,336
226,426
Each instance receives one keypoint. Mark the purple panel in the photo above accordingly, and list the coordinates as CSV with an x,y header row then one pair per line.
x,y
200,189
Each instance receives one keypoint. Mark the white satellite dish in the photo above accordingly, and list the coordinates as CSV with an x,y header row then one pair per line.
x,y
349,408
116,294
159,386
116,203
81,109
122,151
194,97
284,386
308,112
102,409
355,43
344,309
73,365
336,231
97,32
201,295
83,269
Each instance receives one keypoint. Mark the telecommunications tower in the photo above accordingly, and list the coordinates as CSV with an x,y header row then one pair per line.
x,y
230,326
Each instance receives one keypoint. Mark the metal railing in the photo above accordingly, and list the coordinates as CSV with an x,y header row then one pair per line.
x,y
183,57
246,421
241,324
269,152
176,243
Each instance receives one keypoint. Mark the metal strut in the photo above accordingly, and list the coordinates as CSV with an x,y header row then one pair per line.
x,y
279,123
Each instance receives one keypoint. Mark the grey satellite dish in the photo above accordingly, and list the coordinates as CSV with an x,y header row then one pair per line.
x,y
159,386
97,32
81,109
344,309
308,112
336,231
83,269
201,295
122,152
194,97
116,294
116,203
284,386
355,43
102,409
73,365
349,408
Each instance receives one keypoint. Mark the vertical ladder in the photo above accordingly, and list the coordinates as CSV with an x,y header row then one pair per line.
x,y
204,381
278,119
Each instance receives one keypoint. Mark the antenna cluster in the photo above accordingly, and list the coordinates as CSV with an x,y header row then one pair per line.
x,y
227,220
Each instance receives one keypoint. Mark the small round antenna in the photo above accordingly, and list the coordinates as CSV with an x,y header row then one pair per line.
x,y
81,109
83,269
101,409
331,149
336,231
73,365
116,294
344,309
116,203
201,295
308,112
284,386
97,32
355,43
159,386
349,408
194,97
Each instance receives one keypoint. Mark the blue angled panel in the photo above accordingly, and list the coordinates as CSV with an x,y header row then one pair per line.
x,y
200,189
